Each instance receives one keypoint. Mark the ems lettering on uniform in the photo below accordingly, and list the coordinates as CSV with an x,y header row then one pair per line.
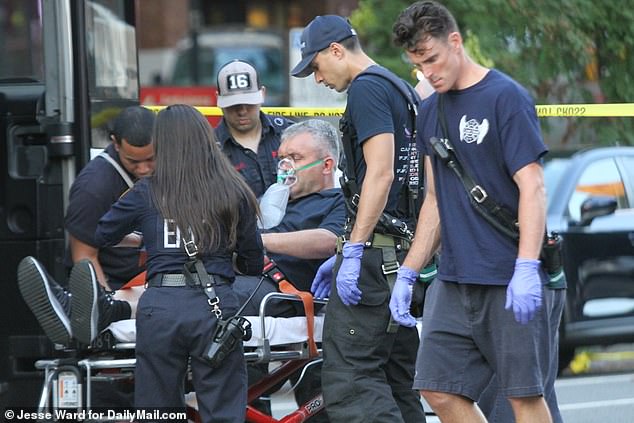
x,y
171,234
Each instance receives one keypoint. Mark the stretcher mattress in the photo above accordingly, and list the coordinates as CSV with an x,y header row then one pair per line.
x,y
278,330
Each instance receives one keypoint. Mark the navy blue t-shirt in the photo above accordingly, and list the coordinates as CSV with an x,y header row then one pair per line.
x,y
320,210
377,107
97,187
259,170
136,211
494,130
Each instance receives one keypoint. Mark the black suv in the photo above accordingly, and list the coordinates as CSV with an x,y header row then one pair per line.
x,y
591,203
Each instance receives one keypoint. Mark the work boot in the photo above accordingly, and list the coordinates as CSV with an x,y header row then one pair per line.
x,y
48,301
92,309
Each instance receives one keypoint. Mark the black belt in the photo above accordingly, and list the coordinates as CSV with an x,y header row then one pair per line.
x,y
179,279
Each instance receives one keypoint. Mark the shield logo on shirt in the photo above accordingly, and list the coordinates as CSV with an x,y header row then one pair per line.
x,y
472,131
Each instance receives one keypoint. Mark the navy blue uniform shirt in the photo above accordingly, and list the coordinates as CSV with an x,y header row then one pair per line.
x,y
494,130
325,210
377,107
259,170
97,187
135,211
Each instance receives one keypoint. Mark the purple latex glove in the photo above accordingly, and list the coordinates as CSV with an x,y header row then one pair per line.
x,y
323,279
348,275
524,292
401,298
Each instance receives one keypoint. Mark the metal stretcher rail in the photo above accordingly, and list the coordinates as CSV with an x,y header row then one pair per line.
x,y
264,353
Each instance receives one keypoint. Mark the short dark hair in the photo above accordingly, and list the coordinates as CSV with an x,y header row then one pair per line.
x,y
351,43
135,124
420,21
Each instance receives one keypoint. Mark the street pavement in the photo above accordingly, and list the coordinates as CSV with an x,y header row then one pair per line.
x,y
601,390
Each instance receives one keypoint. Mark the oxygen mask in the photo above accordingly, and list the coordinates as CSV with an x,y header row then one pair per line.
x,y
287,171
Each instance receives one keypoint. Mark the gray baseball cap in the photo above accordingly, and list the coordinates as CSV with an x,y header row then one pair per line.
x,y
238,84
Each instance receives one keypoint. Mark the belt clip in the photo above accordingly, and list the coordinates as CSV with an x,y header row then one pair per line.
x,y
191,248
390,268
215,309
341,240
478,193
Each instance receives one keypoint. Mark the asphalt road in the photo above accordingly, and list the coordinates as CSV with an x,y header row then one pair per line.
x,y
602,389
601,392
597,398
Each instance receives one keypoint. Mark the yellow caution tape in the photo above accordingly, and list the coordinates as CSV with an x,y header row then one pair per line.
x,y
586,110
551,110
304,111
279,111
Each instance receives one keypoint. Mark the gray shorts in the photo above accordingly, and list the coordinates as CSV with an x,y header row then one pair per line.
x,y
468,337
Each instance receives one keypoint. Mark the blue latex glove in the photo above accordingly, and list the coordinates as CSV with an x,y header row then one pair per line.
x,y
348,275
524,292
323,279
401,298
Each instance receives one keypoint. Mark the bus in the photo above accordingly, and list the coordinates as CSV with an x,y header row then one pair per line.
x,y
69,67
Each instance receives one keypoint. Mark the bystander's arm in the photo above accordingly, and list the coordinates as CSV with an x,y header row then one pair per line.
x,y
378,152
80,250
131,240
531,210
306,244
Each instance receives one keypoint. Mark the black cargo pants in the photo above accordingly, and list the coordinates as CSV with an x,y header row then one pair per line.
x,y
367,372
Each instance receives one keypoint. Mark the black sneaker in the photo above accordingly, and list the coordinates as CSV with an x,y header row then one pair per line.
x,y
92,309
84,288
48,301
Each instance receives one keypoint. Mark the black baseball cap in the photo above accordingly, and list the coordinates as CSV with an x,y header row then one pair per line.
x,y
318,35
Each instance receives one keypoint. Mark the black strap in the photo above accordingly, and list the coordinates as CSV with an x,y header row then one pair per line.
x,y
389,266
497,215
195,265
349,181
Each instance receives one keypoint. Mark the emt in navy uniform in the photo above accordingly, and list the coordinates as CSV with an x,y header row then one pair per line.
x,y
490,317
368,367
175,322
247,136
99,184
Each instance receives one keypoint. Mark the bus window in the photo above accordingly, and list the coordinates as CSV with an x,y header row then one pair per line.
x,y
111,47
21,40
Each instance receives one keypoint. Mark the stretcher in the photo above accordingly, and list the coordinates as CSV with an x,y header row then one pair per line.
x,y
283,341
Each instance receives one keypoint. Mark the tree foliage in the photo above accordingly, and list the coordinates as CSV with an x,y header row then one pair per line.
x,y
568,51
